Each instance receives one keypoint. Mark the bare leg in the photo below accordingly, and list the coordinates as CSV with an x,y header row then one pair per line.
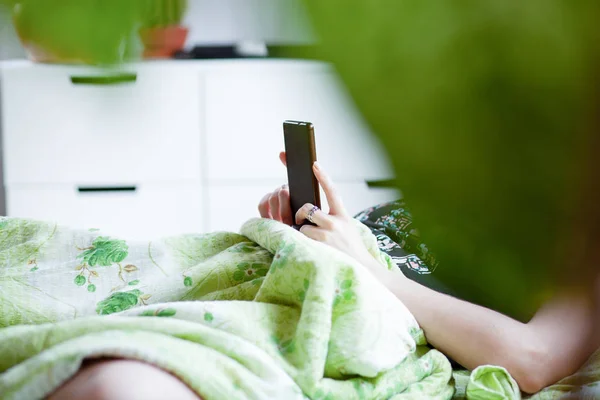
x,y
122,380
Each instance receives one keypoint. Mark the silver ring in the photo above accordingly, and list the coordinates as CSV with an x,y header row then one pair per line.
x,y
312,212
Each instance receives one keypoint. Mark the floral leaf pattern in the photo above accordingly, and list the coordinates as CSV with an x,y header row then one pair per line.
x,y
284,346
160,312
33,264
248,271
118,302
279,260
80,280
245,247
299,303
321,395
130,268
104,252
302,294
344,293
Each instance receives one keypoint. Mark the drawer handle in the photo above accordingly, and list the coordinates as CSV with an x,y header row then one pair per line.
x,y
106,189
113,79
388,183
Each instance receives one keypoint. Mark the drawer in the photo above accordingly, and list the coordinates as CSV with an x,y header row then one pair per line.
x,y
66,124
230,206
245,111
149,212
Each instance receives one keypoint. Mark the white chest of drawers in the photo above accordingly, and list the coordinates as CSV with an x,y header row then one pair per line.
x,y
174,146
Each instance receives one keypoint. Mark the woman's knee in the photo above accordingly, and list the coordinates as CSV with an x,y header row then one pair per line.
x,y
123,379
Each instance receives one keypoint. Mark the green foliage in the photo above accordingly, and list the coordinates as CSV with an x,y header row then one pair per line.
x,y
92,31
162,13
485,108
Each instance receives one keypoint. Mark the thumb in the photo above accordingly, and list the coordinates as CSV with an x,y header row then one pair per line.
x,y
283,158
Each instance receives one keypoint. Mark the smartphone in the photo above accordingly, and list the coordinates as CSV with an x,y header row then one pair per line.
x,y
301,154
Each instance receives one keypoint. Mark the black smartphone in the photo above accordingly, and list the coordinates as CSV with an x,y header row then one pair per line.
x,y
301,154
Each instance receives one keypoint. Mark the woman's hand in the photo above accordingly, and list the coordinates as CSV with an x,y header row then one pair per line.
x,y
276,205
335,228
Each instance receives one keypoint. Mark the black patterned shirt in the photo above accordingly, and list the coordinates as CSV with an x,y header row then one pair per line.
x,y
392,225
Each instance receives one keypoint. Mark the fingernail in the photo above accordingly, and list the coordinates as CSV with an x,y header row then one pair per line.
x,y
317,165
284,186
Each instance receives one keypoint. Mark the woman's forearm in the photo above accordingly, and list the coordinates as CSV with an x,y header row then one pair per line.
x,y
470,334
473,335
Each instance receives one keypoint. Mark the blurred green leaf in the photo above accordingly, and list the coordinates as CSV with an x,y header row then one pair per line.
x,y
485,108
162,13
92,31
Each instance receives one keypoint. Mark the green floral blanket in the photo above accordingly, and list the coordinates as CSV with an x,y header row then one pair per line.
x,y
269,313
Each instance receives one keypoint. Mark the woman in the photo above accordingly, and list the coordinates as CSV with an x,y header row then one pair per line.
x,y
554,344
551,346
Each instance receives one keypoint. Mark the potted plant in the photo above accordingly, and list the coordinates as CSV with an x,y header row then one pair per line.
x,y
76,31
162,33
97,32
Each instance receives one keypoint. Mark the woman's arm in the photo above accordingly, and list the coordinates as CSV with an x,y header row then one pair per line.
x,y
551,346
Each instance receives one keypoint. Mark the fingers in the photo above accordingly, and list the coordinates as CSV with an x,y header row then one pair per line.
x,y
263,206
274,205
285,208
336,206
283,158
315,233
319,217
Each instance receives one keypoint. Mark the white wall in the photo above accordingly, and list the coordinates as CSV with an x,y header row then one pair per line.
x,y
232,21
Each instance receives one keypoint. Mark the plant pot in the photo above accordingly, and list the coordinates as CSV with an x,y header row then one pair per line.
x,y
163,42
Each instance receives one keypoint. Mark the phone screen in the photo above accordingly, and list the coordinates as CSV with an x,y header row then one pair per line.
x,y
300,156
